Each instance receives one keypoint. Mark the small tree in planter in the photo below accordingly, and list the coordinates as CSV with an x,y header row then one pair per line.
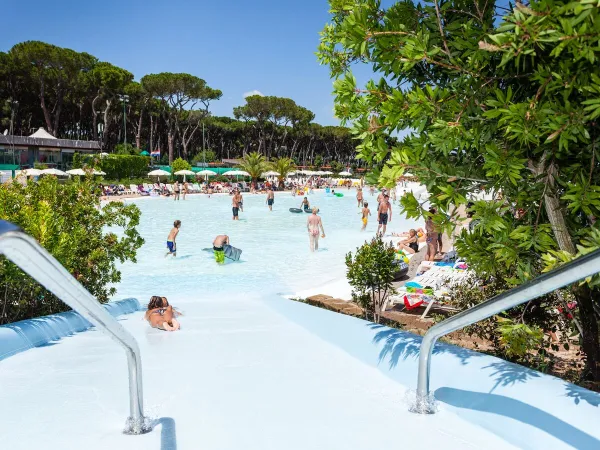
x,y
370,273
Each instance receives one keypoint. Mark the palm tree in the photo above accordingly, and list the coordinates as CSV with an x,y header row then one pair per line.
x,y
254,163
283,166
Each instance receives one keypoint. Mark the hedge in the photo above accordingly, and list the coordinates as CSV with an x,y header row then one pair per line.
x,y
118,167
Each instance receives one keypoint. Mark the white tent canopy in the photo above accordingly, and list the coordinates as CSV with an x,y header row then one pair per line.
x,y
345,174
55,172
78,172
31,172
41,133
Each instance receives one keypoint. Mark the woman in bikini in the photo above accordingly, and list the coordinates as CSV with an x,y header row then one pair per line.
x,y
161,315
410,244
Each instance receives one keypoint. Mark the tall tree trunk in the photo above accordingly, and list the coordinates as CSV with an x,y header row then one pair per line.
x,y
106,123
590,341
95,118
47,117
170,142
138,134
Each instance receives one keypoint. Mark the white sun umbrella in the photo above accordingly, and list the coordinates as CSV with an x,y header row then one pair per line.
x,y
206,173
327,172
78,172
98,172
55,172
184,172
31,172
271,173
345,174
158,173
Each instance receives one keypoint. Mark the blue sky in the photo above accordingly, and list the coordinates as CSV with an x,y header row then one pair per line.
x,y
237,46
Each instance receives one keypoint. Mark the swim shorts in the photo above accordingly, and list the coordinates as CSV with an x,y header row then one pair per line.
x,y
383,218
235,211
364,220
171,246
270,202
219,256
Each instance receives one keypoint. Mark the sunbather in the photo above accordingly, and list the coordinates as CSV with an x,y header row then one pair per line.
x,y
161,315
410,244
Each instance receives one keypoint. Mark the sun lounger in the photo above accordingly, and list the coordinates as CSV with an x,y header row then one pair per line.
x,y
125,190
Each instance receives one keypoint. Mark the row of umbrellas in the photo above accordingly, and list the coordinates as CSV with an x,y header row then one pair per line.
x,y
239,173
58,173
207,173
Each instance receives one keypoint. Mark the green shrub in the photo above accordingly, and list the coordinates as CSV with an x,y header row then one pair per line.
x,y
206,156
371,273
125,166
126,149
77,161
180,164
518,339
66,219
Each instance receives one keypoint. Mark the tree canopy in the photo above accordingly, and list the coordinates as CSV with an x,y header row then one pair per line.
x,y
506,106
76,96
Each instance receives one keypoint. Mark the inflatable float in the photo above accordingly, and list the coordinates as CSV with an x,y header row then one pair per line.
x,y
232,252
338,194
295,210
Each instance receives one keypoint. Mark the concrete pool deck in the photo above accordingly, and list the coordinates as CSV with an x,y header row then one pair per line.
x,y
251,373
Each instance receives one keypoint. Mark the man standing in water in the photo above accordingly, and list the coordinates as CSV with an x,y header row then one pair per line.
x,y
176,190
312,225
384,214
381,196
218,250
270,198
171,245
359,196
235,205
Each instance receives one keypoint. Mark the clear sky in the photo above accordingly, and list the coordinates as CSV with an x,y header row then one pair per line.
x,y
237,46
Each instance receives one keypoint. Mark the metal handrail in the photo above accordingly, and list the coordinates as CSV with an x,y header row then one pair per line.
x,y
576,270
33,259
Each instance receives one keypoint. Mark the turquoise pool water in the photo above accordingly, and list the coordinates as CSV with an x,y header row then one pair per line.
x,y
276,256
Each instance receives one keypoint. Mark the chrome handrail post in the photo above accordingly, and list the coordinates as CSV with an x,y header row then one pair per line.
x,y
565,275
33,259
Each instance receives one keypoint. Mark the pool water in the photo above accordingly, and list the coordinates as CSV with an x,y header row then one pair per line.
x,y
275,248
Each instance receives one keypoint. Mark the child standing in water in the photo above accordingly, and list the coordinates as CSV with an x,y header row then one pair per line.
x,y
366,212
171,245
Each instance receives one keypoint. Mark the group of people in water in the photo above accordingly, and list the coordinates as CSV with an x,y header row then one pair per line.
x,y
162,315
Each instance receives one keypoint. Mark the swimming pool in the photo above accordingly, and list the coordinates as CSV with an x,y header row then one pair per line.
x,y
276,257
250,370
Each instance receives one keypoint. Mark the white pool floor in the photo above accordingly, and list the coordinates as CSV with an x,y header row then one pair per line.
x,y
251,370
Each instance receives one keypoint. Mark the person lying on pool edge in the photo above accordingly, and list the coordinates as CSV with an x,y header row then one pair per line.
x,y
161,315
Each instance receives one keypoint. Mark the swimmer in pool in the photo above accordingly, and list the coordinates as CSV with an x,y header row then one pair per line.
x,y
270,199
366,212
218,244
305,204
171,245
312,225
161,315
